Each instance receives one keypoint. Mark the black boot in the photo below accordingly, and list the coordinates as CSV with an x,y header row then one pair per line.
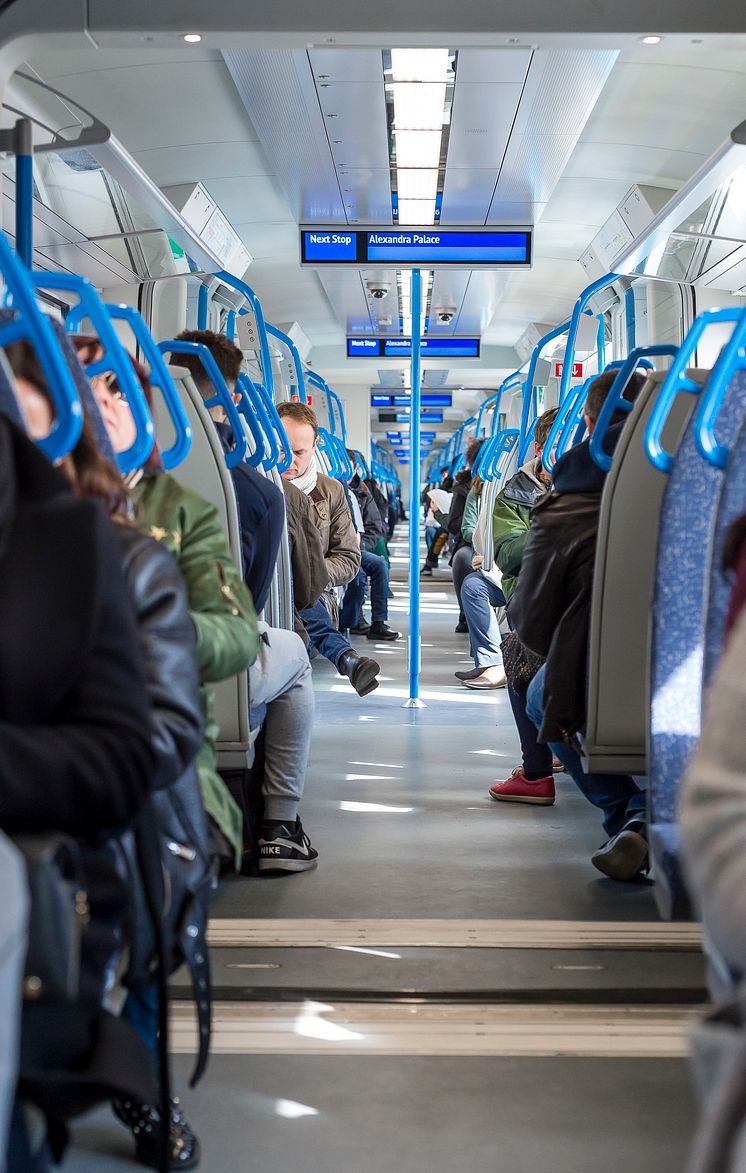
x,y
381,630
144,1122
360,671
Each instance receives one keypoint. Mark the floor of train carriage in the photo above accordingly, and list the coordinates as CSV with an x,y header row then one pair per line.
x,y
454,987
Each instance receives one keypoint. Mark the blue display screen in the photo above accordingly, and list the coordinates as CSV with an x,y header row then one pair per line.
x,y
381,400
432,417
402,348
413,247
329,245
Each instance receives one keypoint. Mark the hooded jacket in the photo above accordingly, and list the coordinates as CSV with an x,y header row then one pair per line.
x,y
511,521
221,609
551,605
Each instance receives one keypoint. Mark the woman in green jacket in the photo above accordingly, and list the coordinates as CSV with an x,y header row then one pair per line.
x,y
220,603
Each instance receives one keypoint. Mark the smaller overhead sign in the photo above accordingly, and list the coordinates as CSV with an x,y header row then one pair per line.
x,y
577,370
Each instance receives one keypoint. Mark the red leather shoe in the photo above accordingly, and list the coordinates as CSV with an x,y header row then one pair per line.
x,y
517,788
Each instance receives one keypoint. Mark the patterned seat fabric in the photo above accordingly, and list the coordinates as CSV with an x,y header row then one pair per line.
x,y
680,600
732,505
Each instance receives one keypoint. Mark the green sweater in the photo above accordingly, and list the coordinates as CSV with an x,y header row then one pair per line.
x,y
511,522
221,607
470,518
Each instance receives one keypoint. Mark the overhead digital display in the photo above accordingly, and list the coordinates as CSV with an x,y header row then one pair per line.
x,y
432,417
408,248
383,400
402,348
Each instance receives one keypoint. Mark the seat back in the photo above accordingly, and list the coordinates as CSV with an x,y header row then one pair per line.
x,y
683,567
731,505
617,716
205,472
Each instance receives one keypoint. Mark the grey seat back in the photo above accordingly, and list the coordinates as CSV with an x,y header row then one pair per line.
x,y
618,700
205,472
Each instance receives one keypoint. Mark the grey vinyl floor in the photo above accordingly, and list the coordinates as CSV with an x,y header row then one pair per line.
x,y
396,804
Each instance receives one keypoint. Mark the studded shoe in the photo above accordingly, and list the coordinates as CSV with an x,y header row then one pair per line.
x,y
144,1122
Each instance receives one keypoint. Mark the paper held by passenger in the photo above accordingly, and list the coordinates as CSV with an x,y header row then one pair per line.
x,y
441,499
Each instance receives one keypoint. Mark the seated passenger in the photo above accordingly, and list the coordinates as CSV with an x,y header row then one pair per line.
x,y
222,610
373,566
550,611
332,518
533,780
280,677
168,649
460,526
76,752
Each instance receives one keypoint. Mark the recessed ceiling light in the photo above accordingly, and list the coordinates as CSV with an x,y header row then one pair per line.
x,y
653,39
193,38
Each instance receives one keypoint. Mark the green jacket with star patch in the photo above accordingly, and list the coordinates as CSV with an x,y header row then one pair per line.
x,y
221,607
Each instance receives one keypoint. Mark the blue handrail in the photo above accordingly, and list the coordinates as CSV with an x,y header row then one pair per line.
x,y
256,306
326,443
247,410
284,453
222,398
615,401
574,428
585,296
561,424
287,341
271,456
528,386
493,398
732,358
331,398
678,382
506,442
203,306
115,359
30,323
160,378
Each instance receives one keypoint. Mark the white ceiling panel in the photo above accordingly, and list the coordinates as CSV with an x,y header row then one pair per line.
x,y
483,295
505,66
216,161
658,165
247,199
448,292
346,294
481,121
366,194
355,120
346,65
266,240
277,90
467,195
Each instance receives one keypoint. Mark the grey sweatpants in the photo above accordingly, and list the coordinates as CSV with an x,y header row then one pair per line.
x,y
281,678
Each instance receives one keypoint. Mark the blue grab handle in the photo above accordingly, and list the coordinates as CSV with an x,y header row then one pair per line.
x,y
578,310
31,324
271,456
331,398
287,341
115,359
256,305
678,382
160,378
327,447
505,441
493,398
222,397
731,358
615,401
248,413
284,452
562,422
574,428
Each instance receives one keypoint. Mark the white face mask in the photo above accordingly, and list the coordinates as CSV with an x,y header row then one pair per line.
x,y
306,482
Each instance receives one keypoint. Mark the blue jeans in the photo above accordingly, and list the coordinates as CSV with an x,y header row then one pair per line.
x,y
617,795
323,634
479,597
430,532
352,605
377,571
141,1012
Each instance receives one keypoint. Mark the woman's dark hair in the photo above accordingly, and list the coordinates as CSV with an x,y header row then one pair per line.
x,y
90,473
734,542
472,452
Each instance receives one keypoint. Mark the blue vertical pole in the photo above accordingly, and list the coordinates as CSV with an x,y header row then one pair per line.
x,y
24,149
601,343
414,498
203,305
230,325
630,318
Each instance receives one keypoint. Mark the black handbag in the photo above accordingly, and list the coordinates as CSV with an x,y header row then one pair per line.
x,y
59,916
520,664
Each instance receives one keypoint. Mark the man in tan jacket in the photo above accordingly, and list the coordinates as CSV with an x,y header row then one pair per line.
x,y
341,545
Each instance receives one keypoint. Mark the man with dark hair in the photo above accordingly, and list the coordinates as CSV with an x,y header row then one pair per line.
x,y
260,503
333,519
281,676
550,611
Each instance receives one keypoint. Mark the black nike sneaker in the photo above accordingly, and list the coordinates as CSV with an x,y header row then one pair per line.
x,y
285,847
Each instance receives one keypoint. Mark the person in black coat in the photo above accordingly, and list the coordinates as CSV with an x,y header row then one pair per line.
x,y
550,610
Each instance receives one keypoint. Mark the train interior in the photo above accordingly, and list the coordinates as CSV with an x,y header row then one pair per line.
x,y
453,986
